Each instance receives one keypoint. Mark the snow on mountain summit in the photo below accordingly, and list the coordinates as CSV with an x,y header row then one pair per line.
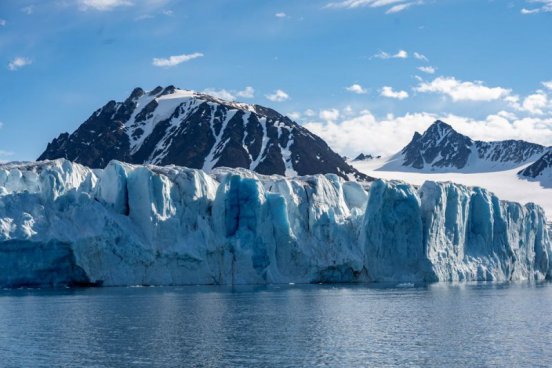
x,y
513,169
182,127
442,149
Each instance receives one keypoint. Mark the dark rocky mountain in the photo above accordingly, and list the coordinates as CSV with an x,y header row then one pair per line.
x,y
441,148
173,126
363,157
539,168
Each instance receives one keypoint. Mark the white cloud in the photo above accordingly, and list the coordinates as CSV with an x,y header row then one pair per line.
x,y
542,6
103,5
356,88
280,15
247,92
220,93
167,12
463,91
535,103
278,96
401,54
390,93
548,85
175,60
329,115
18,63
224,94
348,111
294,115
390,134
400,7
421,57
393,6
427,69
2,22
310,113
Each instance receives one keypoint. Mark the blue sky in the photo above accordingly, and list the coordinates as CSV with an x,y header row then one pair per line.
x,y
347,69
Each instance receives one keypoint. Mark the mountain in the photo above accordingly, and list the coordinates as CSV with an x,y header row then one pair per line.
x,y
442,149
513,169
363,157
540,170
174,126
66,224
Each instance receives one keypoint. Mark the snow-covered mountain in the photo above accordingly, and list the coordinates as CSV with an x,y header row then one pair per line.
x,y
540,170
173,126
442,149
513,169
62,223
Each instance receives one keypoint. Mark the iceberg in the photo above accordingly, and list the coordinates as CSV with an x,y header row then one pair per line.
x,y
62,223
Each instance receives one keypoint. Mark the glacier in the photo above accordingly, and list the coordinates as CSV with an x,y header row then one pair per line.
x,y
63,224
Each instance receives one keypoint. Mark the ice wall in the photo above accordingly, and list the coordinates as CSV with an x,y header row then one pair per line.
x,y
62,223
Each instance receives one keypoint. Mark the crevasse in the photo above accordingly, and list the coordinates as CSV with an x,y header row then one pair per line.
x,y
64,224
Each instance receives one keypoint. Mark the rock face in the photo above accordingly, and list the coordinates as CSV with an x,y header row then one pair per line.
x,y
540,170
64,224
441,148
363,157
172,126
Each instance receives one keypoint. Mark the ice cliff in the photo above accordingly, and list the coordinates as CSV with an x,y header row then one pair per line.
x,y
64,224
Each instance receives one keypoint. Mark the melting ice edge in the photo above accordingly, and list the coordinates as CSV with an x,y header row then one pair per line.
x,y
62,223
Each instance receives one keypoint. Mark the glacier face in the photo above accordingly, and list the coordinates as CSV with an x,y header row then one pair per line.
x,y
64,224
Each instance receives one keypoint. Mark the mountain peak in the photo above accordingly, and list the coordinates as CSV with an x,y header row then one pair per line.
x,y
168,125
439,146
442,148
439,129
136,93
441,123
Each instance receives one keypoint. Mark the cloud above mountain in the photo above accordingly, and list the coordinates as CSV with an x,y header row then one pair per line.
x,y
231,95
389,92
175,60
459,90
278,96
367,133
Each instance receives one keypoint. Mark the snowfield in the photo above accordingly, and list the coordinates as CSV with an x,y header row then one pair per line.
x,y
504,183
64,224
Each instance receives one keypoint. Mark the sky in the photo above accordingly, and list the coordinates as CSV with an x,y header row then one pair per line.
x,y
362,74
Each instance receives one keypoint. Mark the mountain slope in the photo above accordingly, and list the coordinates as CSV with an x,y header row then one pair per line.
x,y
173,126
540,170
442,154
441,149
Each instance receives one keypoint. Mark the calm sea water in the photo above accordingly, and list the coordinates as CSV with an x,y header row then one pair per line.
x,y
291,326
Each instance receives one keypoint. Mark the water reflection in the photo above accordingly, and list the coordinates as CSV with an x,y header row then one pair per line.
x,y
293,325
